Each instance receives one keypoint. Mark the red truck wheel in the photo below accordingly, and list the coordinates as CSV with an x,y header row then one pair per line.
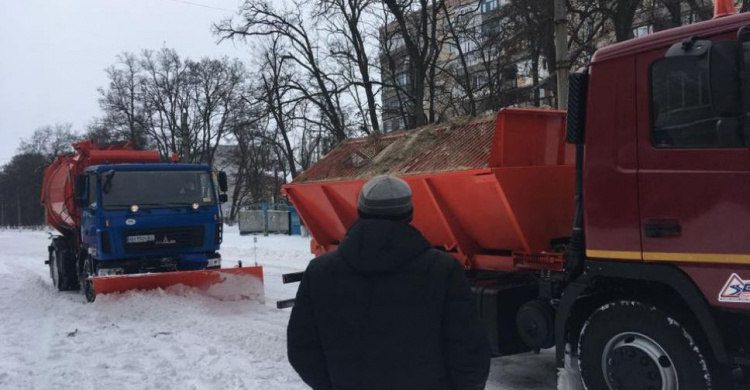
x,y
634,345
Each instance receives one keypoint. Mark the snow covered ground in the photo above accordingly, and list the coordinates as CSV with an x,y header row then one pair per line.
x,y
157,340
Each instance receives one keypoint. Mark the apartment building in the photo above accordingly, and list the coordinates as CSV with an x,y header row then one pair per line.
x,y
487,61
478,62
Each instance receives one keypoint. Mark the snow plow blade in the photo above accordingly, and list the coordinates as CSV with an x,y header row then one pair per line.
x,y
225,283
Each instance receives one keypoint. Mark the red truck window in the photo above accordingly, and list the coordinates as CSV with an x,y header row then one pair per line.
x,y
681,112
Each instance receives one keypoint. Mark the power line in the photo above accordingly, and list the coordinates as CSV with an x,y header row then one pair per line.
x,y
202,5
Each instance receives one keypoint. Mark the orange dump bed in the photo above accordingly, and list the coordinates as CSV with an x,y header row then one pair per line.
x,y
495,192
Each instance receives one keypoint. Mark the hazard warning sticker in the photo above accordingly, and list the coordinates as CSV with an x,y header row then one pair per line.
x,y
735,290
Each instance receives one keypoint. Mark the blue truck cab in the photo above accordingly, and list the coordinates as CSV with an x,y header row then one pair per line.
x,y
150,217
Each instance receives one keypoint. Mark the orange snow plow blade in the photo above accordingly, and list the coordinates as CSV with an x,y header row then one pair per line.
x,y
225,283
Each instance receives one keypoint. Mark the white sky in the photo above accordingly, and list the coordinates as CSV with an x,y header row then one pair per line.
x,y
53,53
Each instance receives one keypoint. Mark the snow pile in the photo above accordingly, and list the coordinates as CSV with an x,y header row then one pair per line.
x,y
569,378
162,340
140,340
235,287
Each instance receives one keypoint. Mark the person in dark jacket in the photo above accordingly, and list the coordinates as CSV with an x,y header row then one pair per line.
x,y
385,310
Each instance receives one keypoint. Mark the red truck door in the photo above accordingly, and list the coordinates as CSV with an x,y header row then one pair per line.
x,y
694,171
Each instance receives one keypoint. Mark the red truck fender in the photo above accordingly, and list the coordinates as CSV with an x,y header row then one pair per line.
x,y
622,272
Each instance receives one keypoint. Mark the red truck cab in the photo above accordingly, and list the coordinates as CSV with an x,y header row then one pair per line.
x,y
662,123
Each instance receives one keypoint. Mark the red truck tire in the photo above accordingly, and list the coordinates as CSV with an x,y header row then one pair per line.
x,y
635,345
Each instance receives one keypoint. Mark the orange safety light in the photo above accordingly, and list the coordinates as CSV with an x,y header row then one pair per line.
x,y
723,8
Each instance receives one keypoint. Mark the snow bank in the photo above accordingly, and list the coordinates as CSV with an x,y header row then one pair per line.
x,y
569,378
162,340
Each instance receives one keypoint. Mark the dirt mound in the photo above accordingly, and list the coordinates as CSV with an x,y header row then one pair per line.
x,y
463,143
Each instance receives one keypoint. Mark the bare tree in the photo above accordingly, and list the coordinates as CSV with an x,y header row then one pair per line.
x,y
216,90
344,22
585,29
274,94
703,9
49,141
621,13
252,158
175,105
20,186
458,32
122,102
314,83
417,23
167,105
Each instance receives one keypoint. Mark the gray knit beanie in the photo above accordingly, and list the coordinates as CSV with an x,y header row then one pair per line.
x,y
385,197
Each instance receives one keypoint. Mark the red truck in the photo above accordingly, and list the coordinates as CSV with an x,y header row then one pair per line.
x,y
651,288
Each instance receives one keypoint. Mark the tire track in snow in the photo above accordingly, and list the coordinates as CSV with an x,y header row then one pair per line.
x,y
36,347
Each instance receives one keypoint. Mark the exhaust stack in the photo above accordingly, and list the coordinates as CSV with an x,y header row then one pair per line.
x,y
723,8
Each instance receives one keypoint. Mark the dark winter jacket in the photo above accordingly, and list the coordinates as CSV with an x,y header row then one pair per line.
x,y
386,311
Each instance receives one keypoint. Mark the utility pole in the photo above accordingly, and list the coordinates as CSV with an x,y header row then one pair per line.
x,y
561,46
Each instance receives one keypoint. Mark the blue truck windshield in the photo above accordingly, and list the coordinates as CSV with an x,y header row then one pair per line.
x,y
122,189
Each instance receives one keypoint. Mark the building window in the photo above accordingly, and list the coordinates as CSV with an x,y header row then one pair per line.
x,y
588,27
478,81
396,41
642,31
390,104
489,5
491,27
452,49
688,18
682,115
402,78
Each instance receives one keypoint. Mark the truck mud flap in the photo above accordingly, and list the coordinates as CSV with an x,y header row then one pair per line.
x,y
225,283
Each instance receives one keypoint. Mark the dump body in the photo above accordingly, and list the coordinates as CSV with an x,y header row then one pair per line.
x,y
495,192
58,185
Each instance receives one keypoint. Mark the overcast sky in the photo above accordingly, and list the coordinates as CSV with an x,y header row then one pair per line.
x,y
53,53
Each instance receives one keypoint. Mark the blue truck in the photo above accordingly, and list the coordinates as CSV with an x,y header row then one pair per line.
x,y
130,221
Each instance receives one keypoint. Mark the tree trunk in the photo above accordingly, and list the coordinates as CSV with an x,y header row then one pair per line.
x,y
364,70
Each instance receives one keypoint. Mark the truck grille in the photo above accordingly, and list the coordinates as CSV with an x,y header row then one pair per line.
x,y
162,238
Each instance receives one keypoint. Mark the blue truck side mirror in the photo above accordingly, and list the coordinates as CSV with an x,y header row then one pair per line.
x,y
79,192
223,181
